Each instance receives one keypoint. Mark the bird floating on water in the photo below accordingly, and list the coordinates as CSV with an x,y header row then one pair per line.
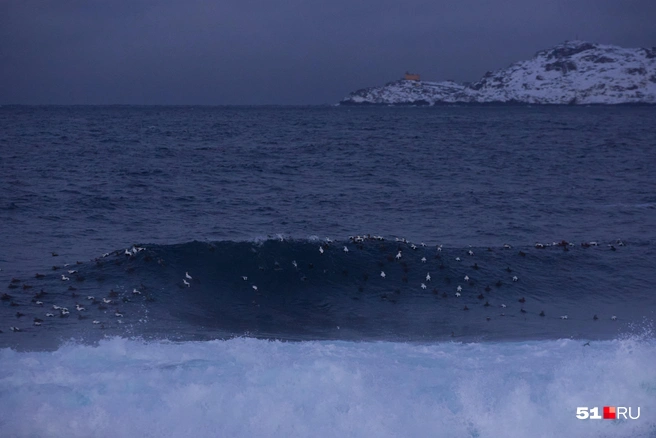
x,y
515,278
187,276
64,278
186,282
428,277
398,255
423,259
382,274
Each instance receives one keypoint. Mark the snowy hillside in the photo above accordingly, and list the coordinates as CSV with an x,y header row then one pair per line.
x,y
575,72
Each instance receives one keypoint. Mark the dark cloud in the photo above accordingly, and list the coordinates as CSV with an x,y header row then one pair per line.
x,y
292,52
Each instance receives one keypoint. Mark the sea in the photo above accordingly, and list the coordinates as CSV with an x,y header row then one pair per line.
x,y
327,271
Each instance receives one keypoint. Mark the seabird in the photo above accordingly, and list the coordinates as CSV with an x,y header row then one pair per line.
x,y
539,245
459,288
90,298
254,288
587,344
95,321
106,301
522,253
423,286
487,304
457,294
294,263
457,259
39,303
321,249
243,277
398,255
542,313
64,278
187,275
186,282
506,246
466,277
64,312
439,248
423,259
428,277
594,318
465,308
72,271
613,318
503,306
14,329
18,314
515,278
470,252
481,297
36,323
563,317
50,314
55,307
488,288
345,249
118,315
413,246
382,274
522,300
79,308
522,310
136,292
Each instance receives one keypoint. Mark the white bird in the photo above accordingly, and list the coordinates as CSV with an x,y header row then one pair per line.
x,y
382,274
515,278
55,307
50,314
398,256
457,294
423,286
243,277
321,249
466,277
14,329
503,306
64,311
106,300
563,317
186,282
37,323
345,249
459,288
423,244
128,252
329,240
90,298
72,271
95,321
428,277
79,308
294,263
188,276
613,318
254,288
136,292
506,246
413,246
470,252
439,247
457,259
118,315
423,259
39,303
65,278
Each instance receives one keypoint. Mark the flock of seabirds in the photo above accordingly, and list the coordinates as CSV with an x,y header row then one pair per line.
x,y
42,307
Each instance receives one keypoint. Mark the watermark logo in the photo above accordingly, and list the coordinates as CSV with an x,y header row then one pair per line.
x,y
609,413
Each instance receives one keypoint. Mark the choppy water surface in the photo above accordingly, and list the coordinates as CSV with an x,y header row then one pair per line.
x,y
191,224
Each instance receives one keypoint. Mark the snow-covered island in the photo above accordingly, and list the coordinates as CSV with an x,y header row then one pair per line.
x,y
575,72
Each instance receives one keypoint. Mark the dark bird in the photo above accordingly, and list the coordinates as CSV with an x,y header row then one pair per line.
x,y
587,344
542,313
522,300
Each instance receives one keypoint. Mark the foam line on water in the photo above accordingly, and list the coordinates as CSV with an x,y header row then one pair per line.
x,y
249,387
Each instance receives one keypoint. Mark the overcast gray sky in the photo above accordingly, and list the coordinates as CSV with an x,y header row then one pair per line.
x,y
281,52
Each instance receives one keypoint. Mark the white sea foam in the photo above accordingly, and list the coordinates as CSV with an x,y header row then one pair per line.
x,y
249,387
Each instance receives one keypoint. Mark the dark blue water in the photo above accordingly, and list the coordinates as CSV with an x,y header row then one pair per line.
x,y
213,191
